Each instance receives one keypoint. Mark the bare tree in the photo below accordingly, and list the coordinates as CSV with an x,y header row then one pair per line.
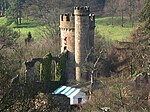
x,y
122,7
111,8
118,94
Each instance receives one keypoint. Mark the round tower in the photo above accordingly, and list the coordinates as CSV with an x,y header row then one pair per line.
x,y
81,38
67,29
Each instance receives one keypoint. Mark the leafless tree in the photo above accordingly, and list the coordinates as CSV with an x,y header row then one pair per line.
x,y
111,8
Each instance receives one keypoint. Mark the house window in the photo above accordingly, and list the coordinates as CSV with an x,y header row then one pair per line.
x,y
79,100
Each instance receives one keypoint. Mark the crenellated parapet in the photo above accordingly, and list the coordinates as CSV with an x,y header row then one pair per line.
x,y
81,11
67,29
91,21
67,21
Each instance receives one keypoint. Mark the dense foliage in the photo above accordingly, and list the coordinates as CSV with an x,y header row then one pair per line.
x,y
141,40
7,37
9,59
45,70
145,14
61,69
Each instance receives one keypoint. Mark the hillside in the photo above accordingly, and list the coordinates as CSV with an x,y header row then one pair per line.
x,y
110,67
103,27
47,13
116,31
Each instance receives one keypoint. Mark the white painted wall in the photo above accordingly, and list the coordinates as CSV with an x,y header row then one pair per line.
x,y
74,99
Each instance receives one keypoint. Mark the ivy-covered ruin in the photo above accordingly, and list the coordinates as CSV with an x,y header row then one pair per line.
x,y
46,76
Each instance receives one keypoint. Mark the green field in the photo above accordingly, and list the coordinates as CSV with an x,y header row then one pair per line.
x,y
103,26
35,31
30,26
115,32
2,21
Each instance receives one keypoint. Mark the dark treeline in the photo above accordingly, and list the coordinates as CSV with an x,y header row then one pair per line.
x,y
15,10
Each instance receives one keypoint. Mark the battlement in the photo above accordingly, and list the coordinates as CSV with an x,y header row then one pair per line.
x,y
67,21
81,10
67,17
77,37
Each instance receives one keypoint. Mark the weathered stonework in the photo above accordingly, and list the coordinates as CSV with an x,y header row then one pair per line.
x,y
30,69
68,41
81,38
77,36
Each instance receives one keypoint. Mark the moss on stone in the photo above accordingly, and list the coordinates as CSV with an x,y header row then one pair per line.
x,y
61,69
45,68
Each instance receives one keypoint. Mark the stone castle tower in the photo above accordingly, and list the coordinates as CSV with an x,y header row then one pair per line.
x,y
77,36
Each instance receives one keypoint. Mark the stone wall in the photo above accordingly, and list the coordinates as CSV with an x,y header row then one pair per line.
x,y
67,28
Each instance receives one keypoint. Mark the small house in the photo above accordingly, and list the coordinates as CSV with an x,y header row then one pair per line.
x,y
75,94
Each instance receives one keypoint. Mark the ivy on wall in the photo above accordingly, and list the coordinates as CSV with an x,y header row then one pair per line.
x,y
61,69
45,68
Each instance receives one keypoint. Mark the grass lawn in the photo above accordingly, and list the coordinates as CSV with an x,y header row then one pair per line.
x,y
115,32
35,31
2,21
30,26
103,26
